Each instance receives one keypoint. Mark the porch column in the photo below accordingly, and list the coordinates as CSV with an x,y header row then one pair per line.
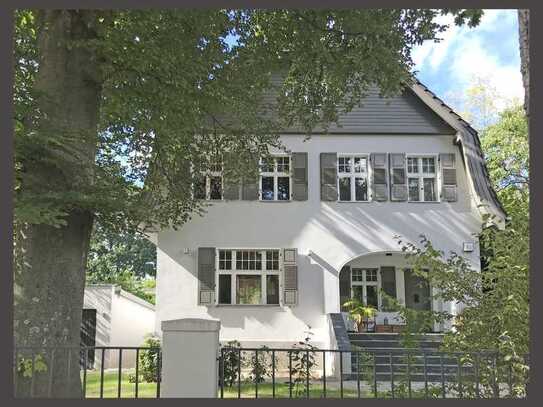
x,y
400,285
189,357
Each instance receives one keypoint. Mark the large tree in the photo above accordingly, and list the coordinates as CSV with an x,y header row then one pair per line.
x,y
524,46
112,106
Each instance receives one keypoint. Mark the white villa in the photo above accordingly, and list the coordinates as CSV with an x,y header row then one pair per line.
x,y
271,259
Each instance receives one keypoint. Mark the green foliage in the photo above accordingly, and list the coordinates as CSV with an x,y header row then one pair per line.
x,y
24,365
506,148
169,80
359,312
261,365
365,362
148,361
123,258
495,314
303,361
231,361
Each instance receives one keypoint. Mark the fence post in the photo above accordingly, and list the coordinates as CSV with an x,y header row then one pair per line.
x,y
190,348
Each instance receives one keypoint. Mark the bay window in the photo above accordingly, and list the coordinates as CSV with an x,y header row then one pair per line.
x,y
275,179
421,179
353,178
248,276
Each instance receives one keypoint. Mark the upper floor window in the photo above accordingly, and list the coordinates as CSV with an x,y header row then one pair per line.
x,y
353,178
210,185
275,181
421,179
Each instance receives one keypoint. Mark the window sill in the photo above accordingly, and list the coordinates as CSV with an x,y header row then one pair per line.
x,y
278,306
354,202
275,201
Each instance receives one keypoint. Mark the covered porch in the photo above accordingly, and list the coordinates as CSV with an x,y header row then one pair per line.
x,y
366,278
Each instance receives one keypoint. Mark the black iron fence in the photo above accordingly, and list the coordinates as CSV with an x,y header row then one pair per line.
x,y
101,371
369,373
135,372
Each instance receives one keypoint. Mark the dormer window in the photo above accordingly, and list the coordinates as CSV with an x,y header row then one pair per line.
x,y
275,179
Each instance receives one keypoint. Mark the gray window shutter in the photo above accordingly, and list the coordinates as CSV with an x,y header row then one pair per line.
x,y
328,176
344,286
231,189
299,177
448,177
249,189
231,183
206,275
378,163
398,179
388,284
291,276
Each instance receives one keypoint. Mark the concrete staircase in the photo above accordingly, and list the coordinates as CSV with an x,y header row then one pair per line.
x,y
385,351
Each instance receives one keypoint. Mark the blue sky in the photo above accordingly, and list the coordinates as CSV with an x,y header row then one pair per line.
x,y
489,52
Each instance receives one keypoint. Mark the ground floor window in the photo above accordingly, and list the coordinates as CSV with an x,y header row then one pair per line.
x,y
248,277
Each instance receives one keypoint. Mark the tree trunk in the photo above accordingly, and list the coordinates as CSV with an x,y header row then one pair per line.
x,y
50,262
524,42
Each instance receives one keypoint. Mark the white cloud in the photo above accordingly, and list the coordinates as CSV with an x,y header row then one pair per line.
x,y
462,56
472,60
433,53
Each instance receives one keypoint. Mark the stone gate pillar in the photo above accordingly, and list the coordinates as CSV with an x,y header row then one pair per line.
x,y
190,349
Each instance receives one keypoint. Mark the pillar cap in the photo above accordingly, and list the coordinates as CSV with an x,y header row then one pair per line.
x,y
191,325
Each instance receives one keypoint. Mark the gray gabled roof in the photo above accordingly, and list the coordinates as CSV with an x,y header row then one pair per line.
x,y
471,149
399,114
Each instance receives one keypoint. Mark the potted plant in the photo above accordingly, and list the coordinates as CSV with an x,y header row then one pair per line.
x,y
359,313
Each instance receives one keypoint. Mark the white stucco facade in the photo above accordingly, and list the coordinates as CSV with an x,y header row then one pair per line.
x,y
122,320
327,235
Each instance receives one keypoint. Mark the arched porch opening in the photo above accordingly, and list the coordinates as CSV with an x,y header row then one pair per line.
x,y
373,277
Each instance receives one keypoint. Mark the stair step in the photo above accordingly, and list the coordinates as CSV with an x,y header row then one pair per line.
x,y
386,337
391,344
415,378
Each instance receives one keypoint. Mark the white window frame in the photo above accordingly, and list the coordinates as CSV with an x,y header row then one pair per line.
x,y
353,175
275,174
421,175
234,272
364,284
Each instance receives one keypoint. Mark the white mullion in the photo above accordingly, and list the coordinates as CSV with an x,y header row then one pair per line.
x,y
421,179
233,281
217,262
353,179
263,277
275,178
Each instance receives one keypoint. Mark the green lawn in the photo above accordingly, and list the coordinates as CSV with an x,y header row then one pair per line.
x,y
128,390
265,390
148,390
282,391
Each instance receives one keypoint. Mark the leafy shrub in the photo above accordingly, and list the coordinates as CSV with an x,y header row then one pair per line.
x,y
24,365
230,361
148,361
303,361
261,366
